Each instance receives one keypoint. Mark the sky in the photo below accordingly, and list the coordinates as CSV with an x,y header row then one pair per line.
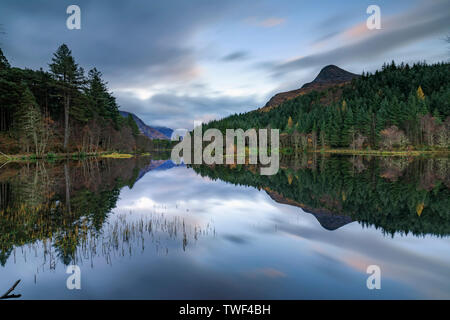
x,y
174,62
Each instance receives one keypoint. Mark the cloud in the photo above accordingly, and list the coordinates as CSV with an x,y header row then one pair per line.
x,y
266,23
236,239
133,45
325,37
267,272
272,22
236,56
397,32
155,54
400,262
180,111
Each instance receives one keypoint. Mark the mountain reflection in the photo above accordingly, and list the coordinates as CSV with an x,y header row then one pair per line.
x,y
398,195
62,211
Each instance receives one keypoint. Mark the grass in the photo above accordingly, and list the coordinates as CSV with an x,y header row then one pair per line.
x,y
383,152
51,156
116,155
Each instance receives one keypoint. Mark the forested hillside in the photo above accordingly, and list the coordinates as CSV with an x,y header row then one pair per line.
x,y
398,107
62,110
395,194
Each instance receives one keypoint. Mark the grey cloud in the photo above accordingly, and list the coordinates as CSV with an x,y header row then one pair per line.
x,y
429,272
236,239
236,56
402,30
131,43
326,37
180,111
333,21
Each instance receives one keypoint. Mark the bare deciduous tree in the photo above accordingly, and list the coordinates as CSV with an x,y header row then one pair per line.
x,y
393,137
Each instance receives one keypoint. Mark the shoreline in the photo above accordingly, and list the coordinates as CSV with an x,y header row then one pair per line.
x,y
5,158
414,153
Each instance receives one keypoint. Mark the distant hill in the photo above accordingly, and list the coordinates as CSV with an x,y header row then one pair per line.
x,y
166,131
161,133
399,107
156,165
329,76
328,219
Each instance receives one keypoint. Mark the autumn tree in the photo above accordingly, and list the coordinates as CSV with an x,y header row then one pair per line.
x,y
420,94
393,137
443,134
429,128
290,124
358,142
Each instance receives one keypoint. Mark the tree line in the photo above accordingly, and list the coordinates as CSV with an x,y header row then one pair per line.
x,y
64,109
397,107
396,195
49,202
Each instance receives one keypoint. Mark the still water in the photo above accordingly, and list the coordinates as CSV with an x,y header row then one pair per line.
x,y
148,229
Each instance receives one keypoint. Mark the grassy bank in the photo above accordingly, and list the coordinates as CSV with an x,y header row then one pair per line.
x,y
117,155
384,152
61,156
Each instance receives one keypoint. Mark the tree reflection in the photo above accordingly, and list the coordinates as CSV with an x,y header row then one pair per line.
x,y
61,211
397,194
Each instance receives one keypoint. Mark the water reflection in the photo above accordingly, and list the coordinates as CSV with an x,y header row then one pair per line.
x,y
9,294
60,211
398,195
143,228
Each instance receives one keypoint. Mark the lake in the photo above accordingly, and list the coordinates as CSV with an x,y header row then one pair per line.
x,y
144,228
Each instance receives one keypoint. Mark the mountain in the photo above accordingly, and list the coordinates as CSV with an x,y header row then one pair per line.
x,y
329,76
156,165
166,131
161,133
327,219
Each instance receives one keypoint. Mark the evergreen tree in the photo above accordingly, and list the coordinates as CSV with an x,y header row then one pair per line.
x,y
97,92
132,124
67,72
348,129
28,121
4,64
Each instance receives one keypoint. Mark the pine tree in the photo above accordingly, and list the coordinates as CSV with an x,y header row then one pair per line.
x,y
323,134
97,92
437,116
335,128
132,124
348,130
28,121
64,69
344,105
362,121
4,64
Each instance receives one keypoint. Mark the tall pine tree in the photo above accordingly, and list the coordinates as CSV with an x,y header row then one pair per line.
x,y
70,76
